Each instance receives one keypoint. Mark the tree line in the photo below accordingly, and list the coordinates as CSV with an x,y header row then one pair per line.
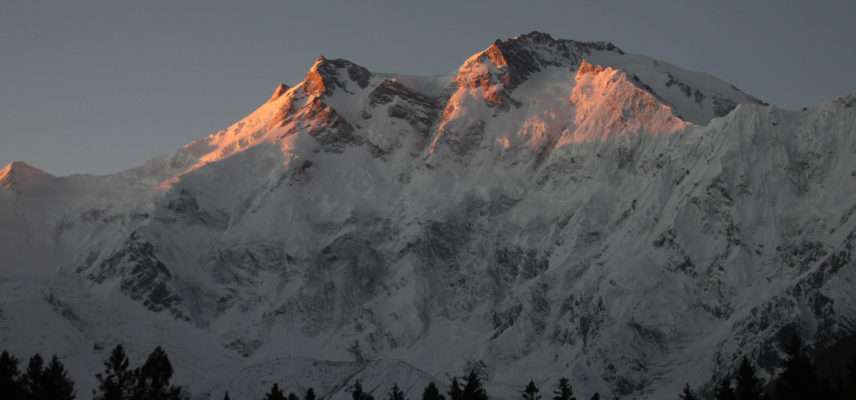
x,y
468,387
798,379
118,381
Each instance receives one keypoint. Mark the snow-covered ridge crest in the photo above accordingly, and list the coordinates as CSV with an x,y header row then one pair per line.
x,y
20,173
555,106
289,110
339,92
278,91
607,103
506,64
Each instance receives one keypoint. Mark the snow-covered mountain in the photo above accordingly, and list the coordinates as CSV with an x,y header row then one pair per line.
x,y
553,208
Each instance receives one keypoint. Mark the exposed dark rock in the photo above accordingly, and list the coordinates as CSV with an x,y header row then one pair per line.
x,y
464,139
722,106
418,110
183,206
332,131
504,319
66,311
326,76
523,58
685,89
142,276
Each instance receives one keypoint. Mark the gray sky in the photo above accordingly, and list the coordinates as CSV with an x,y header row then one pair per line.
x,y
99,86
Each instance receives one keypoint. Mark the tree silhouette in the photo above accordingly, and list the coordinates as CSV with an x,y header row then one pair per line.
x,y
31,381
724,391
310,394
850,380
395,393
117,380
473,387
687,393
748,385
456,392
275,393
153,378
226,396
56,385
357,392
564,390
798,380
431,392
595,396
10,378
292,396
531,392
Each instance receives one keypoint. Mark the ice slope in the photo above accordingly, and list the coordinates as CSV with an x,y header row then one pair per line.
x,y
554,208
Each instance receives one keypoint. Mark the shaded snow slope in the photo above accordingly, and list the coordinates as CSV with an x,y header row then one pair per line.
x,y
553,208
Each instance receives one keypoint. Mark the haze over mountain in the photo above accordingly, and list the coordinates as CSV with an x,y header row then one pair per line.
x,y
556,206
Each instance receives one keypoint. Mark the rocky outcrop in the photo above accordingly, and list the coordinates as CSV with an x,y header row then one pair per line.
x,y
327,75
141,276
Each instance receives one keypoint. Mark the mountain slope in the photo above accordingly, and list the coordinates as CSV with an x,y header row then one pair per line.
x,y
554,206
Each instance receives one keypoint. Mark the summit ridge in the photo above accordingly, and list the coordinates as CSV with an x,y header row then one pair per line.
x,y
550,205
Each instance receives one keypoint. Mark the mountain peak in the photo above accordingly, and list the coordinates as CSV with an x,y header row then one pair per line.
x,y
18,172
326,75
499,69
537,36
278,91
521,56
547,44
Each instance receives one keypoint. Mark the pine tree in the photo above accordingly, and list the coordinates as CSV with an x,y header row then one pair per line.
x,y
432,393
56,385
851,369
473,388
152,380
357,392
10,378
564,390
310,394
395,393
748,385
292,396
275,393
798,380
117,380
31,381
687,393
226,396
456,392
531,391
724,391
850,380
595,396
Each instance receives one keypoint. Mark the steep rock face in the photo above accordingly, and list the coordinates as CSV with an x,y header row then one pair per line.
x,y
528,54
140,275
326,76
402,104
559,206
